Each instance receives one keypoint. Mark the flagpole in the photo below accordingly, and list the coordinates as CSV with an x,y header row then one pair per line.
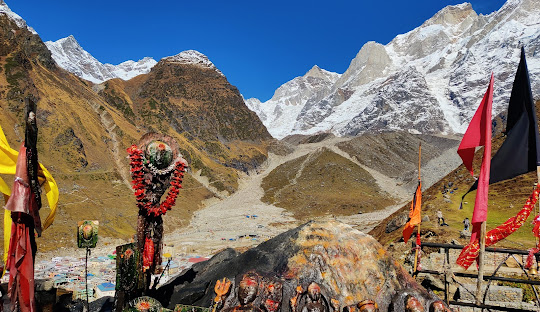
x,y
418,227
537,183
481,263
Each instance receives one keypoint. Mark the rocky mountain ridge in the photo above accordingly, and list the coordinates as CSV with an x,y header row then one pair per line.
x,y
21,23
69,55
85,129
279,112
429,80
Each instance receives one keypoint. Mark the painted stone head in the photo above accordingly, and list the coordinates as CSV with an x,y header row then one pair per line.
x,y
438,306
314,291
248,288
412,304
272,295
159,154
368,305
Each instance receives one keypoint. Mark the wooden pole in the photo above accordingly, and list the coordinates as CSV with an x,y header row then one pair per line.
x,y
87,303
418,227
481,263
420,160
538,209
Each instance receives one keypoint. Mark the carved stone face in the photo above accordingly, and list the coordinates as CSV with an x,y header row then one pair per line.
x,y
247,289
87,231
437,306
314,291
368,306
413,305
272,294
271,305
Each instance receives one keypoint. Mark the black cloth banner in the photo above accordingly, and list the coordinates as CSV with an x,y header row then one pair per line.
x,y
520,152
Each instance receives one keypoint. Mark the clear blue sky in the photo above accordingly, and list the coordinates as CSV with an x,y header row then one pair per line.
x,y
258,45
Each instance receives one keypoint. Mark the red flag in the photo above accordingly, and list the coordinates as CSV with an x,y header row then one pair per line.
x,y
479,134
414,213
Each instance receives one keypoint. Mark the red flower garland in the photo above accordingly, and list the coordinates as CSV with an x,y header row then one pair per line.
x,y
137,175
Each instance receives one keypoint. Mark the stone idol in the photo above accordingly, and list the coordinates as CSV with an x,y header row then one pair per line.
x,y
317,267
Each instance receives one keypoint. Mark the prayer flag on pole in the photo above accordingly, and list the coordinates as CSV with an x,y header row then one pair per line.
x,y
414,213
479,134
520,152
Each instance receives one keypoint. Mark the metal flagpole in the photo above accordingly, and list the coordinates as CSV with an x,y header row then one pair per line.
x,y
418,227
86,278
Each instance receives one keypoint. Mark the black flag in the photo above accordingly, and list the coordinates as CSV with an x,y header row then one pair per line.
x,y
520,152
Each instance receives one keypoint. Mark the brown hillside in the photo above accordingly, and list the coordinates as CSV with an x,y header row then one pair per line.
x,y
395,154
200,107
84,130
505,200
323,183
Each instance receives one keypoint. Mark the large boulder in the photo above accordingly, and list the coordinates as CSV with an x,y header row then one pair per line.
x,y
349,266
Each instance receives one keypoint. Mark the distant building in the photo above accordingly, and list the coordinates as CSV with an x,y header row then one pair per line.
x,y
104,289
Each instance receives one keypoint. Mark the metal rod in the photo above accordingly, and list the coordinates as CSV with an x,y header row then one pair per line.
x,y
490,249
485,306
86,278
446,288
486,277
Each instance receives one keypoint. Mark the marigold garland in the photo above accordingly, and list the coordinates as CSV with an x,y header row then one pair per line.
x,y
139,185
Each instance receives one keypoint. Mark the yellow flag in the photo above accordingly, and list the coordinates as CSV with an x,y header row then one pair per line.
x,y
8,161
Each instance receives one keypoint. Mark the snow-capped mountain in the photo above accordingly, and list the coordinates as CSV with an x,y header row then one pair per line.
x,y
69,55
429,80
4,9
280,112
192,57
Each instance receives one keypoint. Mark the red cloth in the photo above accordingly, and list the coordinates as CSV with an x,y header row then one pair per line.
x,y
536,226
21,264
22,198
414,213
471,251
148,253
479,134
22,246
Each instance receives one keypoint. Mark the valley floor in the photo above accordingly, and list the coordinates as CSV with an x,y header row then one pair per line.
x,y
243,220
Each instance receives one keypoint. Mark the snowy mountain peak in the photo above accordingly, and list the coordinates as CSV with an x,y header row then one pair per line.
x,y
68,44
69,54
4,9
317,72
428,80
69,40
452,15
192,57
369,64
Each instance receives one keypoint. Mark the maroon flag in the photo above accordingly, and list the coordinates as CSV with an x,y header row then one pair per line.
x,y
479,134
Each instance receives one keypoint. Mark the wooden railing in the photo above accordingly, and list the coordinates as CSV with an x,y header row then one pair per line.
x,y
449,275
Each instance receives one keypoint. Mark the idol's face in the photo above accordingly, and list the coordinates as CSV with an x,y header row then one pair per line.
x,y
247,292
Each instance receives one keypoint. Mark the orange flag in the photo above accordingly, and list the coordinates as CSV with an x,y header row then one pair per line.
x,y
414,214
